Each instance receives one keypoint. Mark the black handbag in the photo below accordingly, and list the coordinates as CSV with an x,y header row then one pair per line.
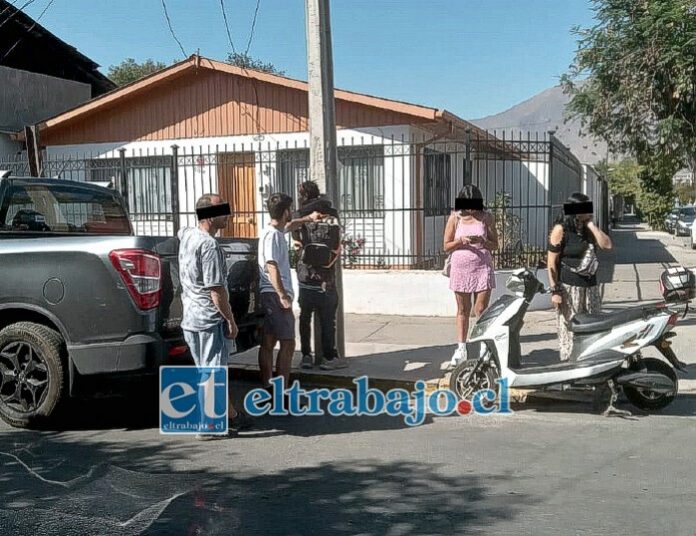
x,y
589,264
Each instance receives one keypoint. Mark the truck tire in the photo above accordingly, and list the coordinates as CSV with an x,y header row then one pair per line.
x,y
33,382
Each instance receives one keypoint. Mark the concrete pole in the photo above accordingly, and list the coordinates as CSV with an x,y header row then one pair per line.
x,y
322,126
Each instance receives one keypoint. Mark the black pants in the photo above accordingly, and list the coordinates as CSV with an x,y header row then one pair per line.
x,y
325,305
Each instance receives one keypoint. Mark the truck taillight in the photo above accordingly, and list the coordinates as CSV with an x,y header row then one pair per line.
x,y
141,271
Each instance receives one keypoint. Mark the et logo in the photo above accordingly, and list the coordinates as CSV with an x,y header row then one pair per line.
x,y
193,400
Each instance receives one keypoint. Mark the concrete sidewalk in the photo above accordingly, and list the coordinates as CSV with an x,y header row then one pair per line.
x,y
397,351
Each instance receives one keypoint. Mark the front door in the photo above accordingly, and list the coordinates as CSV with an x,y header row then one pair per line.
x,y
237,185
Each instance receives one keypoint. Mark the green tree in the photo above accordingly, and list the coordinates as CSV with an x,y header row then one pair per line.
x,y
130,70
685,193
633,84
623,178
247,62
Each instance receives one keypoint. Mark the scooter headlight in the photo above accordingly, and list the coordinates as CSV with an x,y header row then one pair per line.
x,y
481,327
490,316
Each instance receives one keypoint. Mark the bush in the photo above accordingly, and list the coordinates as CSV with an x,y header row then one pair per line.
x,y
511,247
352,247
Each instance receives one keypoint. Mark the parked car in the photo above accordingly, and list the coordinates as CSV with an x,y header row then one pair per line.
x,y
671,220
82,298
685,221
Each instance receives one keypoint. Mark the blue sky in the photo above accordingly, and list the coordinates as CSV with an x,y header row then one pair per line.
x,y
472,57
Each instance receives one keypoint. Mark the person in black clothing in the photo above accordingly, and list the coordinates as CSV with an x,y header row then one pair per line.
x,y
572,265
318,294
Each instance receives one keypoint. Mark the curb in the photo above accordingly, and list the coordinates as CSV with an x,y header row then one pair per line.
x,y
317,379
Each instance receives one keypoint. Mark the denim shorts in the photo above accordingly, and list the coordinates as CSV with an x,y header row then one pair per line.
x,y
210,348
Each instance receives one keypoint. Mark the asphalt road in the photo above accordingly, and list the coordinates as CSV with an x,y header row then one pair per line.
x,y
547,470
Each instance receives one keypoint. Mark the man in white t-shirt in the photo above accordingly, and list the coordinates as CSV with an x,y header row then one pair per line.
x,y
275,286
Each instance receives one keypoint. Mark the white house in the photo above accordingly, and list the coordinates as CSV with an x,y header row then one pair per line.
x,y
204,126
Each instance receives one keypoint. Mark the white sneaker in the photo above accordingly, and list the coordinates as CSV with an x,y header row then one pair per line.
x,y
458,356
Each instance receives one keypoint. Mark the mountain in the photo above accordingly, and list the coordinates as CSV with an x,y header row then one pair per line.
x,y
543,112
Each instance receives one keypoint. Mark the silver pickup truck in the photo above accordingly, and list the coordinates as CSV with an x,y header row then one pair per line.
x,y
84,302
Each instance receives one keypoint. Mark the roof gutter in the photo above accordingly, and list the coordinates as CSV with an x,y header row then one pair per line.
x,y
457,121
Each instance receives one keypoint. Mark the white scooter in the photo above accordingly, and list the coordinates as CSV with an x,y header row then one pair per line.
x,y
606,349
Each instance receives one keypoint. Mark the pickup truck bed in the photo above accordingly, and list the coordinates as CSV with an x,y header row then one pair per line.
x,y
79,302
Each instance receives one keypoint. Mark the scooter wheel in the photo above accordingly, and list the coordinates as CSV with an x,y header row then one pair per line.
x,y
470,376
646,399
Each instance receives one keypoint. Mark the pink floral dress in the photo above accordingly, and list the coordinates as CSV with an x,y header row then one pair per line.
x,y
471,265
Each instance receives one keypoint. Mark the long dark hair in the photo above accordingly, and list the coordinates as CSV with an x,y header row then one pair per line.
x,y
570,221
309,191
470,191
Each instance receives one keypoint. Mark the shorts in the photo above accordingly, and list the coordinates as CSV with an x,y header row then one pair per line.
x,y
278,322
210,348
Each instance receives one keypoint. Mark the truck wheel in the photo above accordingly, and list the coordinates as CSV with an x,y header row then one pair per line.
x,y
32,377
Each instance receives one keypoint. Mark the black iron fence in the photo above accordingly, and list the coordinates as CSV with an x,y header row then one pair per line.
x,y
395,194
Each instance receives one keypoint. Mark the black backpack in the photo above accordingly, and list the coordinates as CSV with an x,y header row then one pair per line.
x,y
321,241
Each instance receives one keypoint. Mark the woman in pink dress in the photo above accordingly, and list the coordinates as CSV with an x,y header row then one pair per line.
x,y
470,236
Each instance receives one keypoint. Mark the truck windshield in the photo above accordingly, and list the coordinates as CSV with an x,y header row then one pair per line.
x,y
62,208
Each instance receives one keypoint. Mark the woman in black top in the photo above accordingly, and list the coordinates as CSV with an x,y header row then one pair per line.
x,y
572,269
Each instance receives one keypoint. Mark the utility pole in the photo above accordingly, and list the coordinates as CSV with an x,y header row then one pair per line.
x,y
322,128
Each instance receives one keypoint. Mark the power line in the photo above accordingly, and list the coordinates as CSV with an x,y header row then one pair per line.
x,y
8,19
243,61
227,26
36,21
171,30
253,27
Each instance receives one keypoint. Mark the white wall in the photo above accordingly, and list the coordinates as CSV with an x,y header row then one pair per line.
x,y
391,232
527,183
566,179
434,226
396,232
592,188
412,293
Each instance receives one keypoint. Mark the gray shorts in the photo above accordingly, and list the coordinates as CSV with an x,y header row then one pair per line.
x,y
210,348
278,322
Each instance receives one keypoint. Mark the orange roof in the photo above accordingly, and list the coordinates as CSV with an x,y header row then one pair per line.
x,y
194,63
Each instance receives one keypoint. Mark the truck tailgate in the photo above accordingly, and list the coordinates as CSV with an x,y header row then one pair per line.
x,y
242,284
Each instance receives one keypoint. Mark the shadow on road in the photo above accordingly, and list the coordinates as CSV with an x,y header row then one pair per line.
x,y
77,487
142,413
683,406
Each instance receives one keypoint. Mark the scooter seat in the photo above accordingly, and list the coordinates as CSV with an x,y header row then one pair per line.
x,y
586,323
